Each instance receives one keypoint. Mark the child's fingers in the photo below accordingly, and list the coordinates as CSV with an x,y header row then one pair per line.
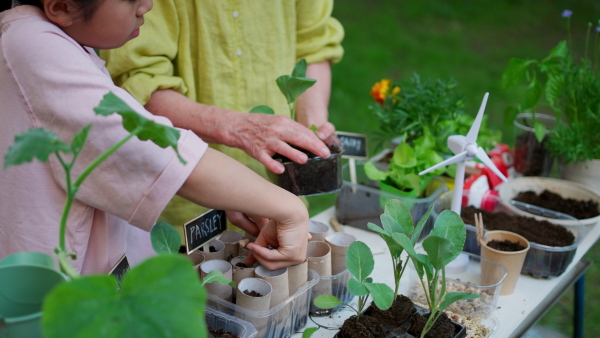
x,y
270,259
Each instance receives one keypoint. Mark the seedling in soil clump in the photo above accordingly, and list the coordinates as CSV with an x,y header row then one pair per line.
x,y
442,246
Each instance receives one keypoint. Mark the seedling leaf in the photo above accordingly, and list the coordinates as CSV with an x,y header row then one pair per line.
x,y
34,143
356,288
398,211
450,226
217,276
359,260
165,239
452,297
309,332
293,87
327,301
437,249
382,295
262,109
300,68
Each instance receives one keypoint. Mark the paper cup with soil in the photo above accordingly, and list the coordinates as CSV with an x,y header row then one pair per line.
x,y
319,260
215,249
223,291
510,250
254,294
318,230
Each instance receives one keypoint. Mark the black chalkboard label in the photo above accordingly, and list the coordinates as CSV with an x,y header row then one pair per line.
x,y
203,228
355,145
120,269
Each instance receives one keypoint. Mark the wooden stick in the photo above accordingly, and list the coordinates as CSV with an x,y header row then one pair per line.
x,y
337,227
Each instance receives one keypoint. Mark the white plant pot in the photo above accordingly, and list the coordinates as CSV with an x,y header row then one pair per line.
x,y
586,173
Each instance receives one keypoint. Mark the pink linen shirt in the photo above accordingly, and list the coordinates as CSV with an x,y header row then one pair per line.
x,y
48,80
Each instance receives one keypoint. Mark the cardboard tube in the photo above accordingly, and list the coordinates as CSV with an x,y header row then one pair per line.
x,y
223,291
512,260
319,260
318,230
231,239
297,276
253,303
278,280
219,254
339,243
240,272
242,251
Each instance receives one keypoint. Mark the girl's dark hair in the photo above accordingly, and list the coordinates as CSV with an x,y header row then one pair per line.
x,y
86,7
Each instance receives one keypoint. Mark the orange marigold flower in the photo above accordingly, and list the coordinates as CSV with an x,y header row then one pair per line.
x,y
380,90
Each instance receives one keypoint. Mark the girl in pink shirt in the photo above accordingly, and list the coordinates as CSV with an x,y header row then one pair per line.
x,y
51,78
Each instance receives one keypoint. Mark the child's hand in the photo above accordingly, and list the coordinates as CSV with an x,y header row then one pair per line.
x,y
249,223
290,242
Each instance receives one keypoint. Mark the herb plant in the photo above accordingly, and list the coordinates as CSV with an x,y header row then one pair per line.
x,y
146,295
396,218
442,246
360,263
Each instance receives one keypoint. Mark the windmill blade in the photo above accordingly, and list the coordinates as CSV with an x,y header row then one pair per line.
x,y
457,143
488,162
454,159
472,135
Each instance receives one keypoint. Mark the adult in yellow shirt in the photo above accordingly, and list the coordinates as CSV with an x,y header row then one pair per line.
x,y
205,63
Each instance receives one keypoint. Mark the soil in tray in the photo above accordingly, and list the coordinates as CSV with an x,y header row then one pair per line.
x,y
366,326
540,232
443,326
400,311
220,333
252,293
549,200
505,245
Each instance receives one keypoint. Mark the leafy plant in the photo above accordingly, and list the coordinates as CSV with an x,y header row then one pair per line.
x,y
396,218
291,86
146,295
442,246
360,262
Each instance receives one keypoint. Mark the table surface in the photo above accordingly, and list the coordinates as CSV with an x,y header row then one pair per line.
x,y
515,313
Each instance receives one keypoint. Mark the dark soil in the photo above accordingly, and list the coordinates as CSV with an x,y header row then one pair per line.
x,y
549,200
531,157
400,311
540,232
442,328
253,293
241,265
210,249
220,333
365,327
505,245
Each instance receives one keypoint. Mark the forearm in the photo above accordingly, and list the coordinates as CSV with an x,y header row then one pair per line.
x,y
312,106
219,182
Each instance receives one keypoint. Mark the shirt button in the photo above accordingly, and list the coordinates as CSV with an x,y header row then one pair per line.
x,y
236,14
238,52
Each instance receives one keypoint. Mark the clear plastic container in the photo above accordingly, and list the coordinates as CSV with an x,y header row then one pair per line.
x,y
542,261
279,321
339,289
217,320
465,280
359,203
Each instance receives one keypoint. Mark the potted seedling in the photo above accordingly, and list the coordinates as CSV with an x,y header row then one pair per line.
x,y
127,307
318,175
361,264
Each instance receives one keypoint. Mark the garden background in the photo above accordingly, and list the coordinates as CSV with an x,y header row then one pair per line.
x,y
470,41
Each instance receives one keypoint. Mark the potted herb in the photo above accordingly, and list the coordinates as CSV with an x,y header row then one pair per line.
x,y
318,175
67,307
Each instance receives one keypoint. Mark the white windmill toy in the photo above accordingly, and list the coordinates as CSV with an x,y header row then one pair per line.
x,y
465,149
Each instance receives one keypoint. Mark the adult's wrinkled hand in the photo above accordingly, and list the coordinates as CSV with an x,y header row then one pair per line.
x,y
261,136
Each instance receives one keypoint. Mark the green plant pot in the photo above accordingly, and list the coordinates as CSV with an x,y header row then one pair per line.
x,y
25,280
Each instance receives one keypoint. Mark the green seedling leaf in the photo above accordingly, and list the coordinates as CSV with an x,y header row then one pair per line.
x,y
553,88
376,228
314,128
161,135
423,261
409,181
373,173
407,245
540,131
395,248
437,249
262,109
420,225
561,50
300,68
390,225
79,139
357,288
398,211
217,276
165,239
34,143
533,94
510,113
452,297
91,306
404,156
327,301
383,295
359,260
309,332
515,72
293,87
450,226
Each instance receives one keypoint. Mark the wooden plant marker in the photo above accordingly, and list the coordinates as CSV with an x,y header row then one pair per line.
x,y
480,231
355,147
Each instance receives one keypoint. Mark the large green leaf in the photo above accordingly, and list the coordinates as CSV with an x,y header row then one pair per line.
x,y
382,295
327,301
390,225
161,297
165,239
293,87
34,143
450,226
359,260
438,249
401,214
373,173
404,156
357,288
161,135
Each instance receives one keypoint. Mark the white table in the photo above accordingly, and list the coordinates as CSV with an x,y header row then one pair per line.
x,y
516,313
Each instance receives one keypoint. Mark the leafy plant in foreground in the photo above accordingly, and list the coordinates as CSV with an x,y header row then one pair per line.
x,y
360,262
396,218
146,303
442,246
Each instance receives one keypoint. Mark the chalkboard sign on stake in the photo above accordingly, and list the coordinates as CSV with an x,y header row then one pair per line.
x,y
203,229
355,147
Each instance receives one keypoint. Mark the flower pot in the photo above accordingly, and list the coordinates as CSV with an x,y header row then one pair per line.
x,y
585,173
25,280
532,158
512,260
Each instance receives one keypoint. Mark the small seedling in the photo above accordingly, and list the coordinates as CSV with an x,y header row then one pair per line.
x,y
360,262
442,246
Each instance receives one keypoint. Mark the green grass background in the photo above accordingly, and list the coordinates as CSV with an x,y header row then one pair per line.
x,y
471,41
